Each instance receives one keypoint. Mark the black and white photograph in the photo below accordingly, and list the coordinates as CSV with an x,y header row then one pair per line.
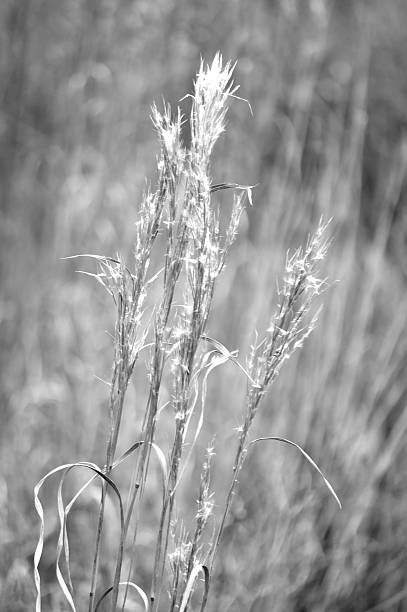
x,y
203,306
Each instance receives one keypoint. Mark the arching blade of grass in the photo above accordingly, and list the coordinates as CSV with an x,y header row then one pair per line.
x,y
219,360
228,355
160,456
307,457
127,584
40,511
190,585
63,511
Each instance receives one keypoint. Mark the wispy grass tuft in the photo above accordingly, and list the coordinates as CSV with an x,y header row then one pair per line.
x,y
183,211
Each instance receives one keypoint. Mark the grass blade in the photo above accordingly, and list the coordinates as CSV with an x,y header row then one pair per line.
x,y
307,457
127,584
190,585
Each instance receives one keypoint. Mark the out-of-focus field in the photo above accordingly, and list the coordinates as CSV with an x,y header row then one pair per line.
x,y
327,85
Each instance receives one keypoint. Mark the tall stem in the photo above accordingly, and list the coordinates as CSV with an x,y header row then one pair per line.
x,y
119,387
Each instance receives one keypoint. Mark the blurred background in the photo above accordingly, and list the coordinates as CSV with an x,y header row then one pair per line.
x,y
327,84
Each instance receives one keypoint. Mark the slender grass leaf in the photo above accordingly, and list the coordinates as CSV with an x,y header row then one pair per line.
x,y
307,457
190,585
62,512
127,584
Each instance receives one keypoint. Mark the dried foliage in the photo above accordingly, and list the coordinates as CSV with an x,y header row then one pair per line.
x,y
326,139
182,209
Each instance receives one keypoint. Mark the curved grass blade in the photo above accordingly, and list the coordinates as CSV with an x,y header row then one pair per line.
x,y
190,585
40,511
127,584
228,355
217,361
160,456
63,542
307,457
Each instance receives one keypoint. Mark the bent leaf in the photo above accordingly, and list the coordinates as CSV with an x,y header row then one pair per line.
x,y
307,457
190,585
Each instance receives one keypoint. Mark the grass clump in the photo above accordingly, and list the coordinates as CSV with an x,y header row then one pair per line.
x,y
181,214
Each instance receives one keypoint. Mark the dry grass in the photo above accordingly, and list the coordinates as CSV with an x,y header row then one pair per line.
x,y
184,210
326,139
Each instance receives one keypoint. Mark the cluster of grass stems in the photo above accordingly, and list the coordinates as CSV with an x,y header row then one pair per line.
x,y
183,209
